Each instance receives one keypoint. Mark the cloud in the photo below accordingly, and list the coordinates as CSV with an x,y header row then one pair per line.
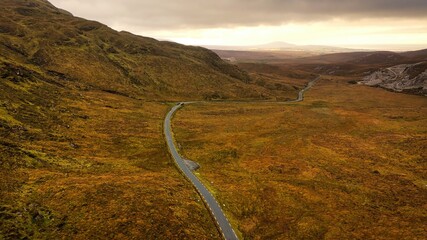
x,y
181,14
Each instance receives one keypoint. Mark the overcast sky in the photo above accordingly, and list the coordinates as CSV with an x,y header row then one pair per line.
x,y
251,22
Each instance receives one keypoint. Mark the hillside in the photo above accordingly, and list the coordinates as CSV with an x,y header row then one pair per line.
x,y
36,37
82,154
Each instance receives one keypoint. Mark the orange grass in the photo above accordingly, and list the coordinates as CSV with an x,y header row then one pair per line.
x,y
100,171
347,163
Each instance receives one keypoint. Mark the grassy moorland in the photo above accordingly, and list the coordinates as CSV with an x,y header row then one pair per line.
x,y
82,154
91,166
282,80
347,163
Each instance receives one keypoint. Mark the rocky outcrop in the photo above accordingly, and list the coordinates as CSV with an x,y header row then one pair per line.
x,y
193,166
410,78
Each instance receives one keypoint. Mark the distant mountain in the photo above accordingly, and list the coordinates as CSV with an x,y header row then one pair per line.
x,y
282,46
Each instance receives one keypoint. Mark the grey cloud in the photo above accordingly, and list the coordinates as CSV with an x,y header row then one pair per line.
x,y
167,14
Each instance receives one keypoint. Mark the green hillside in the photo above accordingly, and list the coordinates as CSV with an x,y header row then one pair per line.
x,y
39,39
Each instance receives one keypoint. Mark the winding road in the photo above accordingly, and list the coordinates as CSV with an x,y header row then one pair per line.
x,y
300,97
215,209
222,222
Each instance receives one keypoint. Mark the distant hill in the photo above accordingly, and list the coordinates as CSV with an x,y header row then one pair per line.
x,y
316,57
419,55
261,56
367,58
378,57
358,58
40,39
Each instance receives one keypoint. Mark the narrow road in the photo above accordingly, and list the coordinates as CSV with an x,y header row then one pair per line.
x,y
215,209
300,97
222,222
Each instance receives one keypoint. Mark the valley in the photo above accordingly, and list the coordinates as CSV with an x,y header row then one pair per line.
x,y
292,143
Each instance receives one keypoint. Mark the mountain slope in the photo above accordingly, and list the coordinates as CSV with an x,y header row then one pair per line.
x,y
82,154
36,35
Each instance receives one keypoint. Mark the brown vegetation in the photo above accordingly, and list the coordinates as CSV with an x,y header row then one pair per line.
x,y
347,163
81,148
92,166
283,81
82,153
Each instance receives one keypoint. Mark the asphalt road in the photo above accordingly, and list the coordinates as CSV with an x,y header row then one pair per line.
x,y
222,222
215,209
300,97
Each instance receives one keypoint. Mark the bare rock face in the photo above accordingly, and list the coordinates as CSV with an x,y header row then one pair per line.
x,y
411,78
193,166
